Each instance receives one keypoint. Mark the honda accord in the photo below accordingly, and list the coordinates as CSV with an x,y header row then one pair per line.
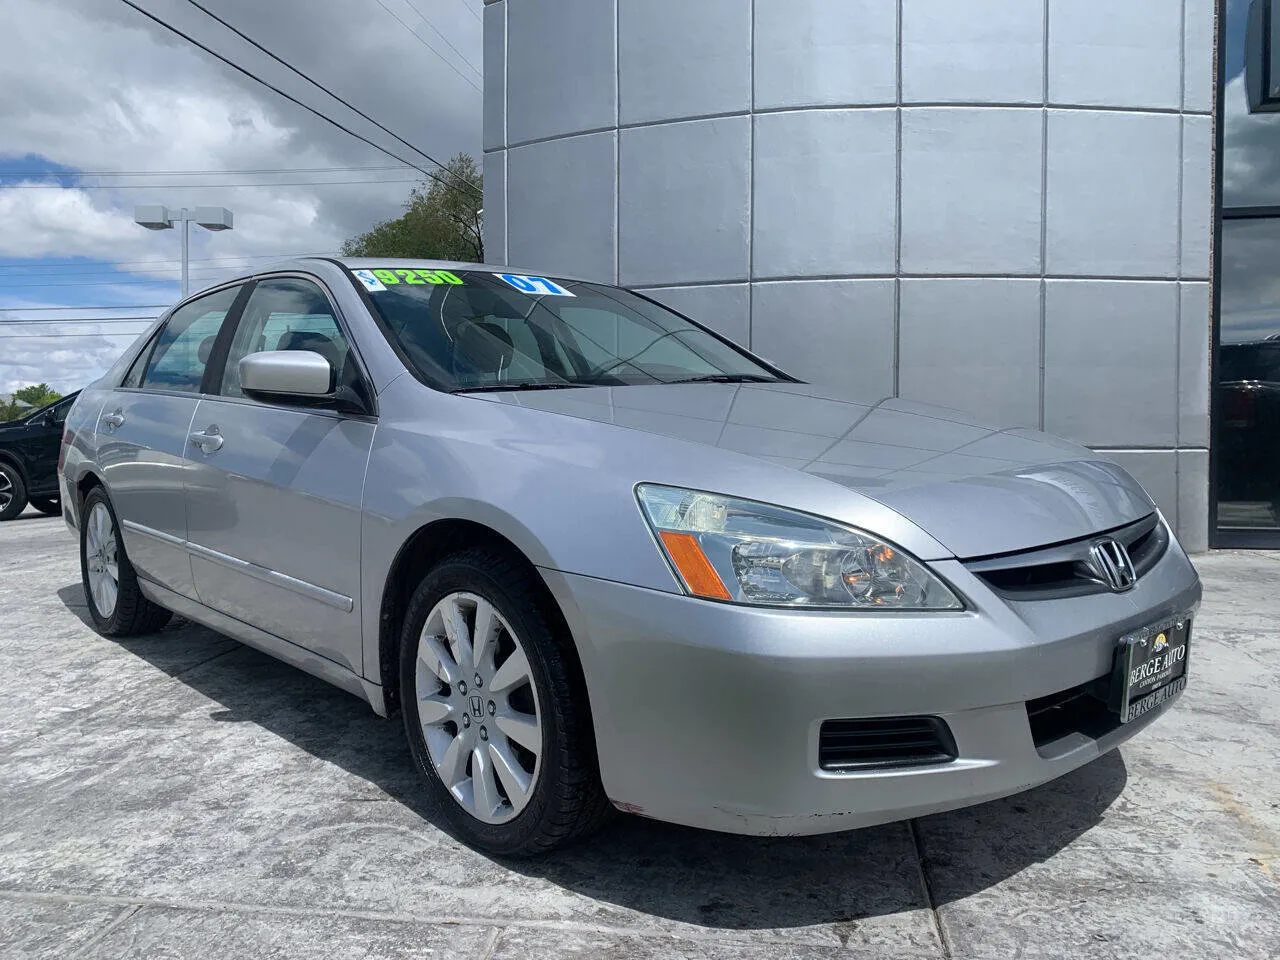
x,y
598,556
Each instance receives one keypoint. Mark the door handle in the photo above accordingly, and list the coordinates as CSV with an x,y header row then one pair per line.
x,y
210,441
113,420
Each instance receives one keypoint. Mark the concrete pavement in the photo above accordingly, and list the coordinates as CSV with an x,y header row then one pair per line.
x,y
182,796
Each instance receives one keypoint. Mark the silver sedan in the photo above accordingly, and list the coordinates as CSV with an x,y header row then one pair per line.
x,y
598,556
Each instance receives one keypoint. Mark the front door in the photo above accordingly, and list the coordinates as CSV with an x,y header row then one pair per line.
x,y
38,448
142,439
274,497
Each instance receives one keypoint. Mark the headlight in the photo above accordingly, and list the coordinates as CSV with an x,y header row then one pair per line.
x,y
740,550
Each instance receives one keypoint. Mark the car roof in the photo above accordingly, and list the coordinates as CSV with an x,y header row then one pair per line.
x,y
357,263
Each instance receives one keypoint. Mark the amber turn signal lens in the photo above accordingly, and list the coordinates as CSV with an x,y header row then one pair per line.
x,y
698,573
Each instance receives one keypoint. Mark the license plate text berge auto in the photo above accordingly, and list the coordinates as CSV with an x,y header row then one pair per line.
x,y
1151,667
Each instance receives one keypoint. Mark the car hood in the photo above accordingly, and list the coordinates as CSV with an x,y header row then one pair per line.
x,y
977,489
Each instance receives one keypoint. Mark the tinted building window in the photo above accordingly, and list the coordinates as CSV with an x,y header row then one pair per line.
x,y
1246,426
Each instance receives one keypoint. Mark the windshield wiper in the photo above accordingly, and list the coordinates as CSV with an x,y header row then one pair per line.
x,y
728,378
517,385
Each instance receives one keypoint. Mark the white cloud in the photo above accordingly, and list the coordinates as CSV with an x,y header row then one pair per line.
x,y
65,223
94,85
1251,155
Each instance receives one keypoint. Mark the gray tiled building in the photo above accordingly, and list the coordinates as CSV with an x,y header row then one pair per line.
x,y
999,205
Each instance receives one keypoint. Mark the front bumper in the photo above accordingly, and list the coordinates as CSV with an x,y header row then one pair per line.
x,y
707,714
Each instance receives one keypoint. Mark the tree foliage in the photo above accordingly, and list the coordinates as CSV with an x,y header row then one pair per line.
x,y
27,399
441,220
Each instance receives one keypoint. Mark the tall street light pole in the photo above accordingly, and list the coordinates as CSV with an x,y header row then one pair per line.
x,y
159,217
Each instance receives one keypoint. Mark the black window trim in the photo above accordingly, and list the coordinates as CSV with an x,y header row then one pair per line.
x,y
211,385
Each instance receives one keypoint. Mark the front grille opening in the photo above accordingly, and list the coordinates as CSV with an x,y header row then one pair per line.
x,y
1038,577
1082,709
1146,549
884,742
1065,570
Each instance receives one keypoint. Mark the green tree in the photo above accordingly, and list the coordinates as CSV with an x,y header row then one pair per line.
x,y
27,399
441,220
38,395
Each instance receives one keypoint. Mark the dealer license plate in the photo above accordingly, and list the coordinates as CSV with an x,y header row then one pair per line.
x,y
1151,667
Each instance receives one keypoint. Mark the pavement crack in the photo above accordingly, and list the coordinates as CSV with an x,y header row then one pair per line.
x,y
196,666
120,920
582,928
492,946
928,893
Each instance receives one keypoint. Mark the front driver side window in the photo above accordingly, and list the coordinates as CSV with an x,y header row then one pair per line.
x,y
57,415
285,313
185,343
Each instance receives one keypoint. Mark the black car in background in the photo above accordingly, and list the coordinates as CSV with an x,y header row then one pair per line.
x,y
29,460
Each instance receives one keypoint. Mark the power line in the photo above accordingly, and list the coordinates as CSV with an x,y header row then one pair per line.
x,y
292,99
57,264
470,10
132,306
192,186
423,40
315,83
193,173
200,273
80,320
98,283
66,336
110,272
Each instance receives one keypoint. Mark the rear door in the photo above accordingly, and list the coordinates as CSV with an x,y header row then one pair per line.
x,y
273,501
142,439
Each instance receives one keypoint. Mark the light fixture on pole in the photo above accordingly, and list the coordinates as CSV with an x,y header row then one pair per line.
x,y
158,217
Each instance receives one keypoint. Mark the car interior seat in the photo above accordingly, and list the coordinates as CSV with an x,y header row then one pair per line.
x,y
481,347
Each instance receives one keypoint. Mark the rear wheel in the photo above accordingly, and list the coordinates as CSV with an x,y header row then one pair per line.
x,y
13,492
115,600
50,506
495,709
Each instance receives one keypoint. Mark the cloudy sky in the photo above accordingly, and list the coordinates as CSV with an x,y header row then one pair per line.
x,y
93,87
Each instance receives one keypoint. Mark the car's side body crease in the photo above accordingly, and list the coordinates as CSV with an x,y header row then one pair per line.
x,y
310,590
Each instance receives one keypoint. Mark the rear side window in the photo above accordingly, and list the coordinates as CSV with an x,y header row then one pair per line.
x,y
134,377
186,342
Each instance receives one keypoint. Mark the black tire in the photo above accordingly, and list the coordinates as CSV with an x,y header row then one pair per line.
x,y
11,482
567,800
133,613
49,506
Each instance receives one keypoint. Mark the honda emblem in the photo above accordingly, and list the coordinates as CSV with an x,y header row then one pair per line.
x,y
1111,562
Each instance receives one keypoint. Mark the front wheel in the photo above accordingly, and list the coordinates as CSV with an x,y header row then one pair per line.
x,y
495,708
115,600
13,492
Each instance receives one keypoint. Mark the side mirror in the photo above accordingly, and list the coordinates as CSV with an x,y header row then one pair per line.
x,y
286,373
296,376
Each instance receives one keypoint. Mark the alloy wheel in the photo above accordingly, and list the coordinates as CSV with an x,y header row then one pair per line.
x,y
478,707
101,560
6,490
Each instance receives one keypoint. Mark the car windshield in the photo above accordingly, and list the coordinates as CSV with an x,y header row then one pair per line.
x,y
476,330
